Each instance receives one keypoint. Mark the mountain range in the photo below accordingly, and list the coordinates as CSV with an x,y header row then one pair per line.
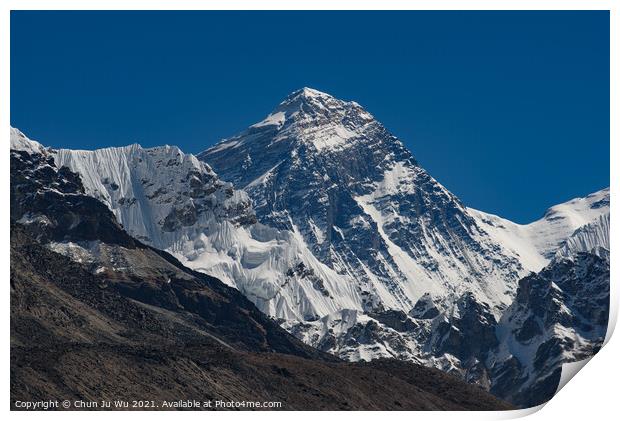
x,y
326,222
98,316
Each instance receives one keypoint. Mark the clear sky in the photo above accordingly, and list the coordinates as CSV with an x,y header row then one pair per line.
x,y
509,110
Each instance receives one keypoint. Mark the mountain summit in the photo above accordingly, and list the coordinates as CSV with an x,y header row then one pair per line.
x,y
308,96
328,170
310,107
314,118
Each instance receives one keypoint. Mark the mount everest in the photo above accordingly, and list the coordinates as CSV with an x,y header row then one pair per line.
x,y
327,223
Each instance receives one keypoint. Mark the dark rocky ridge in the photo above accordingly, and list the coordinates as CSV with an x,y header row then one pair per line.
x,y
55,203
571,293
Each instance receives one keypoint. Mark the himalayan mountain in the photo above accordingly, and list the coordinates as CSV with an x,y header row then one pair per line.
x,y
326,222
97,315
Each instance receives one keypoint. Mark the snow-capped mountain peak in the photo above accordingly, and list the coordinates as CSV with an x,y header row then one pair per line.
x,y
315,119
325,168
307,94
296,104
308,99
355,195
20,142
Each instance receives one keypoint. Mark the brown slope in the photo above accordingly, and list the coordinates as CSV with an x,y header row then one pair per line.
x,y
79,336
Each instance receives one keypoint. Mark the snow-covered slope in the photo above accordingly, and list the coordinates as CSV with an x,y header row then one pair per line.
x,y
537,242
20,142
174,202
588,238
157,193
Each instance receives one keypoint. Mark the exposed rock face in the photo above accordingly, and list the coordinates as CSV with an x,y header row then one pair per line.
x,y
559,316
425,308
468,333
52,203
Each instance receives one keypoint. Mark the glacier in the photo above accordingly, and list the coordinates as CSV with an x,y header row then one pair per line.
x,y
174,202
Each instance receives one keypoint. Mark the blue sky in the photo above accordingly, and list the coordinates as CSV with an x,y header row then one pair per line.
x,y
509,110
